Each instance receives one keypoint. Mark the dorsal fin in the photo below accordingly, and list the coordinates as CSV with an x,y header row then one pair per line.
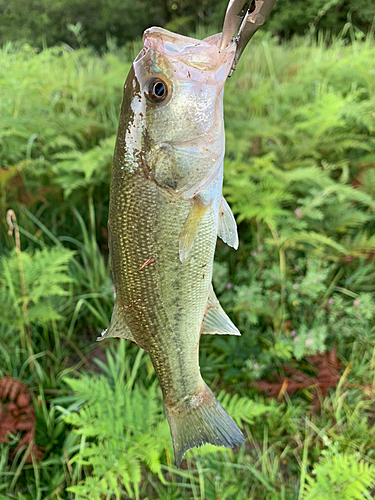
x,y
227,229
215,319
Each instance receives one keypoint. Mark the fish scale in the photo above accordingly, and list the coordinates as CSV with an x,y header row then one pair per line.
x,y
161,314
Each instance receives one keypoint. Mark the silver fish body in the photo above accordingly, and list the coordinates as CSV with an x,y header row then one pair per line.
x,y
166,210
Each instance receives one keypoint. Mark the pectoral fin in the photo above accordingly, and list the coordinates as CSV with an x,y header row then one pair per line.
x,y
227,229
216,320
191,227
117,328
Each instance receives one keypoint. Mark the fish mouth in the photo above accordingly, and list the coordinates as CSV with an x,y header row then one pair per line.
x,y
203,55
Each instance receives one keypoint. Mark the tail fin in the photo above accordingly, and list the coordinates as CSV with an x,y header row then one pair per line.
x,y
201,420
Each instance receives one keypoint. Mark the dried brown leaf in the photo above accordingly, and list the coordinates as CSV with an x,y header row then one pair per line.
x,y
17,415
326,368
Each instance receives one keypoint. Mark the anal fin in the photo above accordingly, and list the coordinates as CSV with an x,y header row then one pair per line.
x,y
191,227
117,328
227,229
215,320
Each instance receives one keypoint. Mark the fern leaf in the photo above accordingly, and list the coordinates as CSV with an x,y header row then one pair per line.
x,y
340,476
242,409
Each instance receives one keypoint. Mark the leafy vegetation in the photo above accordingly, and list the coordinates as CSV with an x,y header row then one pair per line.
x,y
298,17
299,175
341,476
99,24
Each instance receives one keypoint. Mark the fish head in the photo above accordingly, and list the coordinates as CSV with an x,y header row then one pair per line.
x,y
179,82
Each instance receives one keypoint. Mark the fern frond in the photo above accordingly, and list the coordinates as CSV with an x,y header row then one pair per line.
x,y
83,169
128,429
242,409
45,275
341,476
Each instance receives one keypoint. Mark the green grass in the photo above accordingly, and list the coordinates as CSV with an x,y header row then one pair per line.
x,y
299,175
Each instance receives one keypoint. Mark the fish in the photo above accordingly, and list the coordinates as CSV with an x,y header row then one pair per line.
x,y
166,211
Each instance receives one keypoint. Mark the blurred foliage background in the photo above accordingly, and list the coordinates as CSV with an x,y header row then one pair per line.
x,y
49,22
300,178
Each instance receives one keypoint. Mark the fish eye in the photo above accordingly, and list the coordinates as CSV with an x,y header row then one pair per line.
x,y
156,90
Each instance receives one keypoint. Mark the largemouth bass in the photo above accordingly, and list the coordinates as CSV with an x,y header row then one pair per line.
x,y
166,211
